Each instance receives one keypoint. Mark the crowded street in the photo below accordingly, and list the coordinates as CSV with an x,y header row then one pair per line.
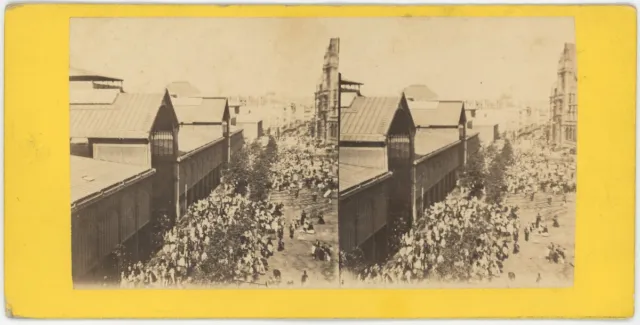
x,y
527,239
228,239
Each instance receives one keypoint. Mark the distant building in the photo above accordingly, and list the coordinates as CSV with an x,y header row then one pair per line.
x,y
251,126
80,79
182,89
329,91
563,101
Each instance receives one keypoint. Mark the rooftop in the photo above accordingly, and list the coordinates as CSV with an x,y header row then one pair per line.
x,y
419,93
192,137
202,110
76,74
352,175
368,118
445,113
128,116
182,89
90,176
428,141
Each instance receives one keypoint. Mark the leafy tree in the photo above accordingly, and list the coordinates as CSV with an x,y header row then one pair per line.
x,y
473,174
238,171
224,252
272,150
495,181
507,153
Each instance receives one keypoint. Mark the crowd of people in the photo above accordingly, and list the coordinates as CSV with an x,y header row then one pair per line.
x,y
301,167
535,172
229,232
186,245
457,239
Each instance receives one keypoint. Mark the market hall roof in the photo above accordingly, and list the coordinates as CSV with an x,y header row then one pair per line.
x,y
419,93
91,176
437,113
201,110
193,137
182,89
351,175
428,141
126,116
368,119
76,74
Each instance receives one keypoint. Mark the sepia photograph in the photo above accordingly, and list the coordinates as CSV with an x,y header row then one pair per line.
x,y
203,154
322,152
457,152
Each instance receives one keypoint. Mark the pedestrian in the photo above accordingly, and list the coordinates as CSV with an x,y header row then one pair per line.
x,y
292,229
556,224
304,278
526,233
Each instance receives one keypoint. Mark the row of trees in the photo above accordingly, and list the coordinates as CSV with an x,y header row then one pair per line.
x,y
250,167
484,174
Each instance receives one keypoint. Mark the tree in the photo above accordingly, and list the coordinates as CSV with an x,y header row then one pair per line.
x,y
260,177
495,182
237,172
272,149
223,254
507,153
473,174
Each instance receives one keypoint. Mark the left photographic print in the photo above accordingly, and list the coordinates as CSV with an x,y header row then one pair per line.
x,y
197,156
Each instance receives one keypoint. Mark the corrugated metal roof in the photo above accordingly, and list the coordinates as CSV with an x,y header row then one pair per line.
x,y
192,137
368,118
430,140
206,110
351,175
419,93
186,101
183,89
130,116
423,104
374,157
93,96
90,176
446,113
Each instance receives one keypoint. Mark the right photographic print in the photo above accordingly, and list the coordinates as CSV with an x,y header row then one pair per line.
x,y
457,151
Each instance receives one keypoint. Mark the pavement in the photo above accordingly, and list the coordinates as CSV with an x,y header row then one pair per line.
x,y
531,260
296,257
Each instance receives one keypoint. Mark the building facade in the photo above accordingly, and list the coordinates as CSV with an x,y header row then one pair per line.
x,y
110,206
376,154
563,101
440,150
133,129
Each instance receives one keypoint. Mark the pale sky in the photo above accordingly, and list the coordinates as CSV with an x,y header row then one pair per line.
x,y
458,58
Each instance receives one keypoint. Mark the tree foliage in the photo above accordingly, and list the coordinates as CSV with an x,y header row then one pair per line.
x,y
260,177
495,183
473,174
272,150
237,172
507,153
223,254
